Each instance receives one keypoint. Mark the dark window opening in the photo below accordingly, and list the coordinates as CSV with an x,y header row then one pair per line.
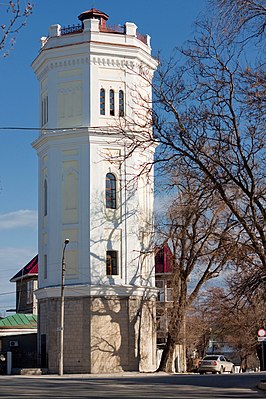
x,y
102,102
44,357
111,263
121,103
112,102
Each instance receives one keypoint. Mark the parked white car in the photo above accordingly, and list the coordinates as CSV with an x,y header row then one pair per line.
x,y
215,364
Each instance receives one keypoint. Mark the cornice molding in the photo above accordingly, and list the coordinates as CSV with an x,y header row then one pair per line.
x,y
98,291
112,62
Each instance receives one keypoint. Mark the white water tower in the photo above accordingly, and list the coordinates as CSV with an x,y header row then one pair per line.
x,y
86,194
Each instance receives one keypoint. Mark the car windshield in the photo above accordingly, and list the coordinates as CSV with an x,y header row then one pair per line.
x,y
210,358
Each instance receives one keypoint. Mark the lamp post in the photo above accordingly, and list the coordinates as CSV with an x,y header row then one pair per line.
x,y
62,310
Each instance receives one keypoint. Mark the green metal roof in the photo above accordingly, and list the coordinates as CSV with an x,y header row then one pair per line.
x,y
19,320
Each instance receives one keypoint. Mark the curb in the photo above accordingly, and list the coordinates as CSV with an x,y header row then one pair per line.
x,y
91,375
262,385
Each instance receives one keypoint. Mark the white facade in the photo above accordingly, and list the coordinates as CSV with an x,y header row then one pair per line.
x,y
77,147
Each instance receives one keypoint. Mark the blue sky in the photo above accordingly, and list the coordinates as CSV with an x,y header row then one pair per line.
x,y
168,22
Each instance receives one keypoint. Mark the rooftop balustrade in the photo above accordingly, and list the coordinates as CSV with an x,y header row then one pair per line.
x,y
70,30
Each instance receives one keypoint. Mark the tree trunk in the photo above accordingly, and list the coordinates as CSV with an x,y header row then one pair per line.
x,y
166,363
243,364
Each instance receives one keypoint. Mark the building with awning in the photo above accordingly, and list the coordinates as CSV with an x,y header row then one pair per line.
x,y
18,332
18,324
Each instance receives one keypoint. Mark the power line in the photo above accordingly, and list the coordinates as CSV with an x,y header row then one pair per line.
x,y
7,293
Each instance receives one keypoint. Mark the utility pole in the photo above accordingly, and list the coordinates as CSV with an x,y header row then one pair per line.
x,y
263,355
62,311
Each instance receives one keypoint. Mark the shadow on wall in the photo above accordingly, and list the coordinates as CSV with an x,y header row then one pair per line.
x,y
119,330
106,234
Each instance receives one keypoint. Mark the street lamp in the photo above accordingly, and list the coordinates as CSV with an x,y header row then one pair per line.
x,y
62,309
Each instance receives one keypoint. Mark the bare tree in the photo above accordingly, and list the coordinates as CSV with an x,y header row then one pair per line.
x,y
209,114
209,119
246,17
198,338
197,229
209,125
14,18
233,323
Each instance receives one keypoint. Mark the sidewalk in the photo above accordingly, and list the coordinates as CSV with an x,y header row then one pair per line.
x,y
93,376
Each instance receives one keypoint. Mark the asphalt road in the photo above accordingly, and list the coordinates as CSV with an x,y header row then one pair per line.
x,y
137,386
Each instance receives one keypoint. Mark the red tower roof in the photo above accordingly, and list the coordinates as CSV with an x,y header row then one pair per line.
x,y
31,269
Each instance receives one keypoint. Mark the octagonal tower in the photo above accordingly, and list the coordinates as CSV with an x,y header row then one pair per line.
x,y
89,194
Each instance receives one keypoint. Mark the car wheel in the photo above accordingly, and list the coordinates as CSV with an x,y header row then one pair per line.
x,y
201,372
221,370
232,370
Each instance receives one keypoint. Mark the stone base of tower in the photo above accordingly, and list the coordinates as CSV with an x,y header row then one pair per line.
x,y
103,334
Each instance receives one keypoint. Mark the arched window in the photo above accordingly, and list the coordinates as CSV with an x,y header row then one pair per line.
x,y
112,102
110,191
45,198
102,102
121,103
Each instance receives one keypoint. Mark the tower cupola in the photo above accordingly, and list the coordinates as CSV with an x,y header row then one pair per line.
x,y
94,14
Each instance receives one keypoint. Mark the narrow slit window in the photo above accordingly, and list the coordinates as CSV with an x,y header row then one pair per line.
x,y
111,263
45,194
112,102
44,110
110,191
121,103
45,267
102,102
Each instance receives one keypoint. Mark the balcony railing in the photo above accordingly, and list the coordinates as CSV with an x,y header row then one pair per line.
x,y
113,29
68,30
142,38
